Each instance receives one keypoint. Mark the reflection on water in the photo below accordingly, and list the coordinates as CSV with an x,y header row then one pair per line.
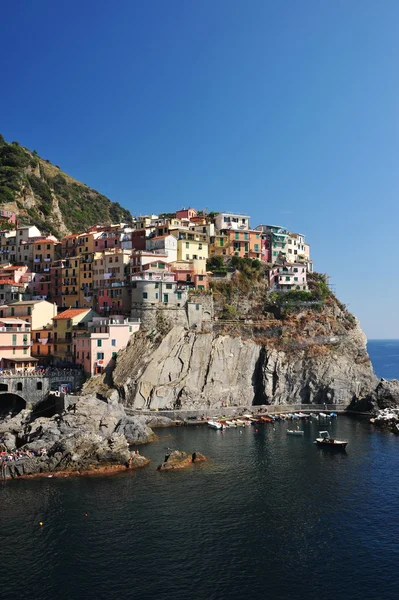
x,y
267,516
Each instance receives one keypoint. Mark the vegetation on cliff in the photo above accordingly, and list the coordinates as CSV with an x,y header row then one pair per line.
x,y
43,195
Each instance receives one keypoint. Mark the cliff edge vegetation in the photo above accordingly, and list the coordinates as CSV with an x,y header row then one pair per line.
x,y
43,195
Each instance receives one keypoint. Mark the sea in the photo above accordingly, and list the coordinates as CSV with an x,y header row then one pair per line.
x,y
268,516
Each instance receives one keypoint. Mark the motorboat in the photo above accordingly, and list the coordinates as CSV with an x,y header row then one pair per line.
x,y
296,416
215,425
323,415
302,415
294,432
267,419
333,415
240,423
231,424
326,441
314,416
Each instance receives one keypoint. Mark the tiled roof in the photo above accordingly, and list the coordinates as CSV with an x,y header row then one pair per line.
x,y
72,312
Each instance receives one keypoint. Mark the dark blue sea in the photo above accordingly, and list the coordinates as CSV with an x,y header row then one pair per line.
x,y
268,516
384,355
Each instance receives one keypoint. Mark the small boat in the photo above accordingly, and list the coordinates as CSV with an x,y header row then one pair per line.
x,y
328,442
323,415
296,416
333,415
302,415
215,425
230,424
314,416
267,419
294,432
240,423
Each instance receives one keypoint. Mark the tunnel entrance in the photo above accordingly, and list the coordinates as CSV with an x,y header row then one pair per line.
x,y
11,403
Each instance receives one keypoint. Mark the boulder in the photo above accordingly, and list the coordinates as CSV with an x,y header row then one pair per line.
x,y
181,460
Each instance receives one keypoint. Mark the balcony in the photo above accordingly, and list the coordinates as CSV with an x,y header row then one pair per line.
x,y
15,330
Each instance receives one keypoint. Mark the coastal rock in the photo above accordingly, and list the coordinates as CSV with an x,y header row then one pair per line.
x,y
385,395
181,460
195,370
87,437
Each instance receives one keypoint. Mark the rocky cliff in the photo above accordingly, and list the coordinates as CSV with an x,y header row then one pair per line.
x,y
305,357
43,195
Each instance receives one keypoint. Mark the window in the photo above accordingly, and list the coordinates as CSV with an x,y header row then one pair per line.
x,y
99,343
100,355
29,311
14,339
237,235
246,236
145,295
256,247
187,244
39,385
168,286
295,278
201,277
12,312
113,342
221,241
19,387
179,295
197,307
25,350
156,295
165,298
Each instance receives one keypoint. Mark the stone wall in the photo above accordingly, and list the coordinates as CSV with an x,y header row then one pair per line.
x,y
35,389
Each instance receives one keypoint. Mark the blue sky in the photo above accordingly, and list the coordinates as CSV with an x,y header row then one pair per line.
x,y
285,110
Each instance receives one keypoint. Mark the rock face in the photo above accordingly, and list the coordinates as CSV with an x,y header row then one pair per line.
x,y
385,395
180,460
195,370
94,435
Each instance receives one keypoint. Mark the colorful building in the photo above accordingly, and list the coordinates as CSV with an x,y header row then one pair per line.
x,y
96,348
63,328
15,344
288,277
232,221
10,291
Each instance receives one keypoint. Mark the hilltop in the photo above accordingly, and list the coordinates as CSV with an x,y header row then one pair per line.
x,y
43,195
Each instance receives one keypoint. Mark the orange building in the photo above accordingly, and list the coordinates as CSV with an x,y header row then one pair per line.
x,y
243,243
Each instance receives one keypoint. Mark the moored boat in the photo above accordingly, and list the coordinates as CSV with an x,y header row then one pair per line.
x,y
230,424
302,415
326,441
323,415
333,415
294,432
215,425
314,416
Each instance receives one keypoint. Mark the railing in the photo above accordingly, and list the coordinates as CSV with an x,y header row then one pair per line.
x,y
15,330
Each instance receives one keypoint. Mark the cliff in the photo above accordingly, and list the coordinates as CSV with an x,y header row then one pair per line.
x,y
305,356
43,195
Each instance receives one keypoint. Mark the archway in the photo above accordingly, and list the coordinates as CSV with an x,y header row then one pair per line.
x,y
11,403
3,387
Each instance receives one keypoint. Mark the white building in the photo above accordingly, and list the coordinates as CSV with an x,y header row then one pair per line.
x,y
288,277
164,244
232,221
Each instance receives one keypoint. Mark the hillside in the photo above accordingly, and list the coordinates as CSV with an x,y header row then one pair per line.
x,y
41,194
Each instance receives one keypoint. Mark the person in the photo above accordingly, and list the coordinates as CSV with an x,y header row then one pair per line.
x,y
193,456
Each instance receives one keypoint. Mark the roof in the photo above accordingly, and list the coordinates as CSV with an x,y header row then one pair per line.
x,y
10,282
41,240
70,313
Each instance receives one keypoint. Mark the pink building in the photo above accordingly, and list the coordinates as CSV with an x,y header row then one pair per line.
x,y
186,213
15,343
8,215
96,348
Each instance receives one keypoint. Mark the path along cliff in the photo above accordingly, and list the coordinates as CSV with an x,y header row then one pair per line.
x,y
308,355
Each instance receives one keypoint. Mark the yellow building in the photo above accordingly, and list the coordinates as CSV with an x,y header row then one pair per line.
x,y
63,325
37,312
86,247
70,282
219,245
191,245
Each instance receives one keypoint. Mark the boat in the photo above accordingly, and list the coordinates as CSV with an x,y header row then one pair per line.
x,y
296,416
230,424
240,423
214,425
302,415
333,415
323,415
267,420
314,416
328,442
294,432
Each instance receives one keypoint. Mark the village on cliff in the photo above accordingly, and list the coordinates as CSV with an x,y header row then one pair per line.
x,y
77,301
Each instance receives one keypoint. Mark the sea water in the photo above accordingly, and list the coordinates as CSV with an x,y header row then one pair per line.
x,y
267,516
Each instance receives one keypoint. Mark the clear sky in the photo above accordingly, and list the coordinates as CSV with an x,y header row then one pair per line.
x,y
286,110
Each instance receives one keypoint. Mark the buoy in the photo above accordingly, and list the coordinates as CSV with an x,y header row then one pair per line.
x,y
86,515
41,524
256,431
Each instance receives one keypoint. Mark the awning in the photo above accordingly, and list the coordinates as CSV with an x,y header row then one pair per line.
x,y
14,321
20,359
